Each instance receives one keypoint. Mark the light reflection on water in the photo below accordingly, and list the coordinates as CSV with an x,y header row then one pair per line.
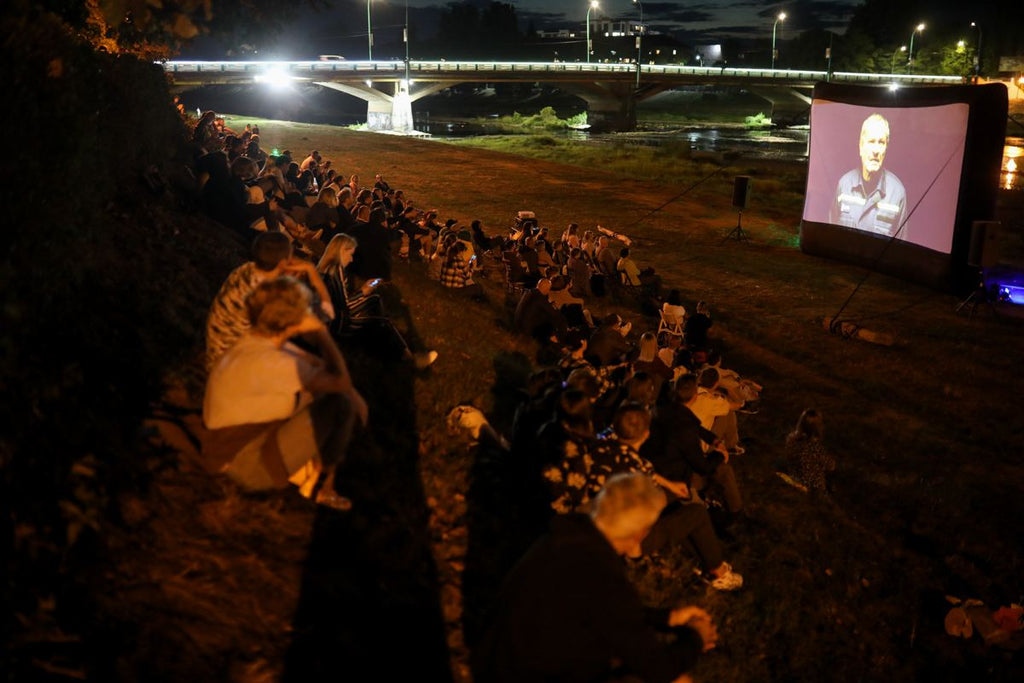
x,y
1012,174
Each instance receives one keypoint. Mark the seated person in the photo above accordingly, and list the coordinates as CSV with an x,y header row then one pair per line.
x,y
536,317
805,452
717,411
673,308
360,313
457,273
572,307
682,450
275,412
628,269
577,480
608,345
695,332
567,611
579,274
228,320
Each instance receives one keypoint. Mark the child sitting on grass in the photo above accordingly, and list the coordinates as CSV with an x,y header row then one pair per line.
x,y
806,452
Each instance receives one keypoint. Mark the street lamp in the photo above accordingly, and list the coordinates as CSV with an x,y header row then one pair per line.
x,y
781,17
977,51
369,33
639,40
910,55
593,6
892,67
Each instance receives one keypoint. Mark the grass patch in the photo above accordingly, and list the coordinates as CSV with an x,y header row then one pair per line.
x,y
845,589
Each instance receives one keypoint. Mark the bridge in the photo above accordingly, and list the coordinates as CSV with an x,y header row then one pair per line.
x,y
610,90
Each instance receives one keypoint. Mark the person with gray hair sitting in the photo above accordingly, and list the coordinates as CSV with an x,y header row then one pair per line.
x,y
568,612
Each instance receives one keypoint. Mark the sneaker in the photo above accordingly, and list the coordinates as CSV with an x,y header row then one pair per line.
x,y
424,359
737,450
728,580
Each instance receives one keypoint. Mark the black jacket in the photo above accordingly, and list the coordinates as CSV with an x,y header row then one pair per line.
x,y
567,610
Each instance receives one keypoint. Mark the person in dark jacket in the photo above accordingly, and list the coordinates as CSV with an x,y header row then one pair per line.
x,y
536,317
676,447
567,612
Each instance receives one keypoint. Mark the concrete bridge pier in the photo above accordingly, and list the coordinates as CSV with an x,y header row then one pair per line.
x,y
387,112
611,107
789,106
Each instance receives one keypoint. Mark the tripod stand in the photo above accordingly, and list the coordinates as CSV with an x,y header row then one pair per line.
x,y
738,233
980,296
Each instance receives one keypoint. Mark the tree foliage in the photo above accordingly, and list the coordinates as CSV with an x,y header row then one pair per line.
x,y
154,29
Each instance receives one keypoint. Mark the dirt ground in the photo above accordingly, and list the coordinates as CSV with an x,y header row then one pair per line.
x,y
852,587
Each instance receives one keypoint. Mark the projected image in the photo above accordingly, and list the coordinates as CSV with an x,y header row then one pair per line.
x,y
871,166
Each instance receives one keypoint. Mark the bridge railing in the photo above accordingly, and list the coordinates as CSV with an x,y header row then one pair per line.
x,y
392,68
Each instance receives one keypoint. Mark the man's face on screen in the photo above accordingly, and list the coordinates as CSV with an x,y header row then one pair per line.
x,y
874,138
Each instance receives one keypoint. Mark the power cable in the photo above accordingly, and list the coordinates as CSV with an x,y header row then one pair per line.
x,y
834,323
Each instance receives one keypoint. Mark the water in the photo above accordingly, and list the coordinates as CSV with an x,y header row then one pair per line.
x,y
787,144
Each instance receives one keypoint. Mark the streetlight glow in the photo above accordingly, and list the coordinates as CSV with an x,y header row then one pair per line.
x,y
892,67
781,17
593,6
910,55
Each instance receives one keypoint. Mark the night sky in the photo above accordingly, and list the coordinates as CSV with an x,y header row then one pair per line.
x,y
342,28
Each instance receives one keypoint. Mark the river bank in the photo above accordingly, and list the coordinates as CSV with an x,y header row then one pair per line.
x,y
846,588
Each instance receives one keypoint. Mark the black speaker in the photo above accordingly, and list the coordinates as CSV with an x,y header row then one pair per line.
x,y
741,192
984,251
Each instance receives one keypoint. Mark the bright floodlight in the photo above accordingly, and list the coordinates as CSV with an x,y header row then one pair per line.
x,y
920,27
275,78
894,86
593,4
782,16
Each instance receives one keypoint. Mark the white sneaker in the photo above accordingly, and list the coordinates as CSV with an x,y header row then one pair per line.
x,y
424,359
728,580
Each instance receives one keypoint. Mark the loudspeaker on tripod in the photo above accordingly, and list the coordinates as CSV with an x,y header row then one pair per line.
x,y
741,192
984,251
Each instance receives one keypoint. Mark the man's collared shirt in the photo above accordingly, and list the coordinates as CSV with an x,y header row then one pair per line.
x,y
881,212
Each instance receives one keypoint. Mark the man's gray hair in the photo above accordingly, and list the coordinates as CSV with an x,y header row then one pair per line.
x,y
628,504
875,118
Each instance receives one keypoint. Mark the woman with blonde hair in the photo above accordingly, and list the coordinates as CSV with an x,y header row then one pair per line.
x,y
650,362
359,312
323,215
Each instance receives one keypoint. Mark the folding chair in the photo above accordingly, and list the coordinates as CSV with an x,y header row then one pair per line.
x,y
670,324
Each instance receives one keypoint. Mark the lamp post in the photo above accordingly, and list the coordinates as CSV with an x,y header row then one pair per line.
x,y
369,33
892,67
405,38
977,51
781,17
593,6
639,41
910,55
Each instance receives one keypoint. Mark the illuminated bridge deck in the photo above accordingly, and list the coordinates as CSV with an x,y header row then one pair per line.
x,y
187,73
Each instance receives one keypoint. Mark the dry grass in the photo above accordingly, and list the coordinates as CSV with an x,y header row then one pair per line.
x,y
927,435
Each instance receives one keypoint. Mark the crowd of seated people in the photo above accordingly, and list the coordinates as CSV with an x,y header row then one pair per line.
x,y
606,400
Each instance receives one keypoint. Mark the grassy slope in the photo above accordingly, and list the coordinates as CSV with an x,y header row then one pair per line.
x,y
925,432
